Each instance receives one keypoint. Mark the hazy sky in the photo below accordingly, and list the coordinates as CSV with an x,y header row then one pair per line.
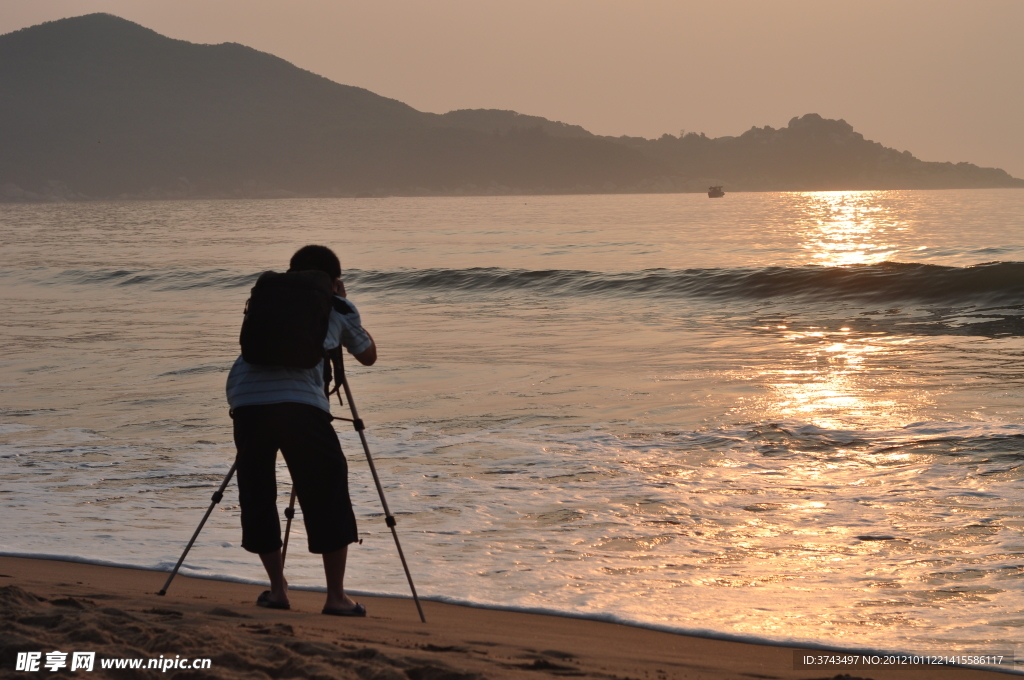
x,y
943,79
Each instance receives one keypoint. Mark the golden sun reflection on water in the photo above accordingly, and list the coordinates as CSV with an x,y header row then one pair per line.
x,y
829,389
834,378
848,227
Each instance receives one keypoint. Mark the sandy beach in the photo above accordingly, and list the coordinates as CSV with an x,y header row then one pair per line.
x,y
65,606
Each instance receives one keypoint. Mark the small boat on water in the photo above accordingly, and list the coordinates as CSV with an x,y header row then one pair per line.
x,y
715,192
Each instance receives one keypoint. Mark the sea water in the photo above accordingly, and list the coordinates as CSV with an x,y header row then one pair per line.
x,y
791,417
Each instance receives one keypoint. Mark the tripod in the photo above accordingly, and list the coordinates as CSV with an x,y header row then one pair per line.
x,y
357,423
217,495
359,427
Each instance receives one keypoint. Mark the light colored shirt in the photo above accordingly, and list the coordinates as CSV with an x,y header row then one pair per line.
x,y
250,385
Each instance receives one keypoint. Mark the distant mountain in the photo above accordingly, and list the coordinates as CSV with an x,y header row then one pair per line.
x,y
811,154
494,120
100,107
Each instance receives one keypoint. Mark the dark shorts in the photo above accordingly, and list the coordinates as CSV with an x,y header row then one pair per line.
x,y
310,446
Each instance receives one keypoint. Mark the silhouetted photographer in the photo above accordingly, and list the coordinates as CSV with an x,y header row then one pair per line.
x,y
278,398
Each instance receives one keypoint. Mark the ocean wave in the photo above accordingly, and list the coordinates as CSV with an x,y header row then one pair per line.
x,y
988,282
161,279
991,282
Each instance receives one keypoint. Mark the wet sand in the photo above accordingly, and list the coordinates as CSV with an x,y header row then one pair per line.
x,y
52,605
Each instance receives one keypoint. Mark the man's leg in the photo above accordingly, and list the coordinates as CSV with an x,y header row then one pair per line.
x,y
334,570
274,565
320,474
257,446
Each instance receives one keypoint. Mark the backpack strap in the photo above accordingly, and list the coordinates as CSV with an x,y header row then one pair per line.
x,y
332,358
340,306
328,375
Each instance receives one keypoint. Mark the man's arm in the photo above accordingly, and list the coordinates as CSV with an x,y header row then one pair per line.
x,y
368,357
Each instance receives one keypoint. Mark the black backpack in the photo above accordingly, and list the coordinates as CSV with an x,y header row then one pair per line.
x,y
286,319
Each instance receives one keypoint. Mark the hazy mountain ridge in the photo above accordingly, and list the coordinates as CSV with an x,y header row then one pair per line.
x,y
497,120
812,153
100,107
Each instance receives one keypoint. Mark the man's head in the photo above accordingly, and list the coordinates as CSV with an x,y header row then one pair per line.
x,y
320,258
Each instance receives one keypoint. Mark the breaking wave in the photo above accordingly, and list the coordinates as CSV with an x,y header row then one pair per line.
x,y
992,282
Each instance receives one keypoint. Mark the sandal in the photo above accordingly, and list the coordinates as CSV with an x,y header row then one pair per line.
x,y
358,610
264,601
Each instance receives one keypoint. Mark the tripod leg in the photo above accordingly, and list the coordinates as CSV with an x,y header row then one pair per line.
x,y
388,517
218,494
289,514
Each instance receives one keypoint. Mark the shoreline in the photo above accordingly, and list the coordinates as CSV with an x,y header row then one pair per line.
x,y
818,647
117,611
